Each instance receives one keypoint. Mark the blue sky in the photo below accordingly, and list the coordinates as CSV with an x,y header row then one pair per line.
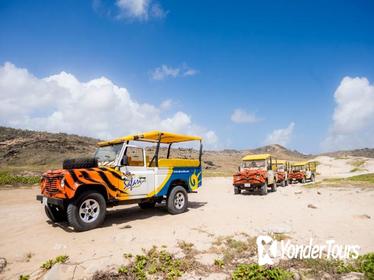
x,y
278,62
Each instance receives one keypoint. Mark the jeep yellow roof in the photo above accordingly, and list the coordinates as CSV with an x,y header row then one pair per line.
x,y
256,157
299,163
281,161
152,136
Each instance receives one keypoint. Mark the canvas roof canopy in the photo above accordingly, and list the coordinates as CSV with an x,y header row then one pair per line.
x,y
152,136
256,157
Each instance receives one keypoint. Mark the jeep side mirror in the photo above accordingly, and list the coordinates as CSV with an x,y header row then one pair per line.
x,y
125,161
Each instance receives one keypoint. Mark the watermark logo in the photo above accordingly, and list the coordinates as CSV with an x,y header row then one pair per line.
x,y
269,249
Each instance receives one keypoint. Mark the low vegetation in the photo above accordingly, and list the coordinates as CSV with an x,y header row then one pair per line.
x,y
7,178
257,272
316,268
51,262
364,180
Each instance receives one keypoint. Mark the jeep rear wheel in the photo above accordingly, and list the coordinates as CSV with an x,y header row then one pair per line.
x,y
312,178
264,189
283,184
87,211
177,201
303,180
55,214
237,190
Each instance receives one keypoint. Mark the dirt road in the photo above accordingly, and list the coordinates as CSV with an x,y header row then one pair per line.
x,y
27,239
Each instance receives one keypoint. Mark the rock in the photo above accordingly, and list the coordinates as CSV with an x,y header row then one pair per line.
x,y
319,193
312,206
60,271
296,274
3,264
353,276
363,217
326,276
298,192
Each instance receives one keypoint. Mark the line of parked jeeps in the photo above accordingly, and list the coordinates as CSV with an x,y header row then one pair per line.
x,y
263,172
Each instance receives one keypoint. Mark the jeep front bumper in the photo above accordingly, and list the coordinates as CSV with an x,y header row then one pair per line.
x,y
50,200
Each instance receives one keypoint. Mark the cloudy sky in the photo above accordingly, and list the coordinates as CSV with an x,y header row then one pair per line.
x,y
240,73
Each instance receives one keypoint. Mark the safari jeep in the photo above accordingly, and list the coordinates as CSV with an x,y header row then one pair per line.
x,y
282,168
303,171
255,173
121,173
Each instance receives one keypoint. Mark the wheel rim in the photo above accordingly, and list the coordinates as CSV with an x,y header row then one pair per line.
x,y
89,210
179,200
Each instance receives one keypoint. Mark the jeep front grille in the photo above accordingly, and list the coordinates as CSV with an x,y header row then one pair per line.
x,y
51,184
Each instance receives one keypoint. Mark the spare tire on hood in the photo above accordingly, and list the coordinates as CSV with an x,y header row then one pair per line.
x,y
79,163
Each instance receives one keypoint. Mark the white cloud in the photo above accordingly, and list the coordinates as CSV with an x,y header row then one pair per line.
x,y
97,108
280,136
139,9
241,116
164,71
166,104
353,119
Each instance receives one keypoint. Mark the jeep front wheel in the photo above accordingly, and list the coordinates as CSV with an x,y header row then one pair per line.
x,y
264,189
55,214
237,190
87,211
274,187
177,200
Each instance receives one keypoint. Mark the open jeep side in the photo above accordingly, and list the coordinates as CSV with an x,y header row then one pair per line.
x,y
121,173
282,169
302,172
255,173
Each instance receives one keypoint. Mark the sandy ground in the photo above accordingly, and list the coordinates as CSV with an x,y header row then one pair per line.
x,y
330,167
345,214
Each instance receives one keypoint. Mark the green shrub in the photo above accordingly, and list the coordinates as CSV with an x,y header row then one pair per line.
x,y
256,272
24,277
51,262
365,264
7,178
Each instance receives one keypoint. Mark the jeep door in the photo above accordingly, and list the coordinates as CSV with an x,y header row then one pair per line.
x,y
138,179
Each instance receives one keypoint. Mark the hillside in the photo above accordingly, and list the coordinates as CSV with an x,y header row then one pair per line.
x,y
366,152
38,151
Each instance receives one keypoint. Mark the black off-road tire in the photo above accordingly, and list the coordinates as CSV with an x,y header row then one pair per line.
x,y
147,204
264,189
274,187
177,201
303,180
312,178
74,217
287,182
79,163
237,190
55,214
283,183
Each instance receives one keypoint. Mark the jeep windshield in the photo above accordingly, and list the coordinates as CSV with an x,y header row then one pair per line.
x,y
297,168
254,164
107,155
281,168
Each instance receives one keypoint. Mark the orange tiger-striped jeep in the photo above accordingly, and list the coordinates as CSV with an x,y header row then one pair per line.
x,y
120,173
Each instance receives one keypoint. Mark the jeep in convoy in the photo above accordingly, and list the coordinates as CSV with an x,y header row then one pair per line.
x,y
255,173
303,171
121,173
282,168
